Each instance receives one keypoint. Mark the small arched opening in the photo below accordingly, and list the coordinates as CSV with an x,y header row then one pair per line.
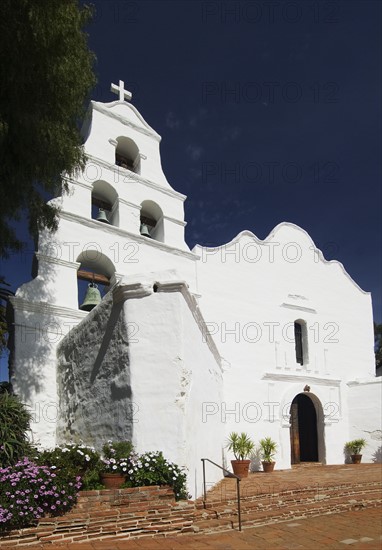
x,y
152,221
307,429
105,203
94,276
127,154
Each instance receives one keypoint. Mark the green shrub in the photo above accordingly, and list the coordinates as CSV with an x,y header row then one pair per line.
x,y
117,449
153,469
14,425
75,459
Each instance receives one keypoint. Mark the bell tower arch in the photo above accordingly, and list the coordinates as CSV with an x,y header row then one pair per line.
x,y
94,275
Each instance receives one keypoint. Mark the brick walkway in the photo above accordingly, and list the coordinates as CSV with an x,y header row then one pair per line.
x,y
361,527
358,530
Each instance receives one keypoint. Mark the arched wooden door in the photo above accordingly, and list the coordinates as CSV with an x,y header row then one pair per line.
x,y
303,430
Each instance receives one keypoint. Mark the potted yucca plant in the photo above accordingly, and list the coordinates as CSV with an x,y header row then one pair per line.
x,y
268,449
354,448
241,446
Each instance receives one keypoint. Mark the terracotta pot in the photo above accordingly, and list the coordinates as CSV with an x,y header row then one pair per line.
x,y
112,481
240,467
356,459
268,466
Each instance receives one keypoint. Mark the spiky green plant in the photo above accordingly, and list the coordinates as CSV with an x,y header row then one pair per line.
x,y
14,425
355,447
268,449
240,444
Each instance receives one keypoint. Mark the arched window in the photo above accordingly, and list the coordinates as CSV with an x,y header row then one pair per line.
x,y
95,270
105,203
127,154
301,342
152,221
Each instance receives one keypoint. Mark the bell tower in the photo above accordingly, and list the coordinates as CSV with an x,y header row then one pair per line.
x,y
121,218
126,186
121,215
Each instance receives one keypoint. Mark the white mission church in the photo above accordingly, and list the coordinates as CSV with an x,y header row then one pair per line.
x,y
185,346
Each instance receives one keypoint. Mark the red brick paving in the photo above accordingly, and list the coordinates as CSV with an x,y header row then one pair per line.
x,y
325,531
309,534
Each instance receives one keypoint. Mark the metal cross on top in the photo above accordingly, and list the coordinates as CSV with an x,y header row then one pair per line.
x,y
123,94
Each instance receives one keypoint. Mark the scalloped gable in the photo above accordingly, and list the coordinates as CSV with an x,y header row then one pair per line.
x,y
286,232
127,114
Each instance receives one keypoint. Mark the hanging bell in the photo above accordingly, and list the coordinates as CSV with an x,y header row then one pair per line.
x,y
102,216
144,230
92,298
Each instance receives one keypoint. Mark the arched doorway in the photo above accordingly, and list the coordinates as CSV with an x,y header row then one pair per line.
x,y
303,430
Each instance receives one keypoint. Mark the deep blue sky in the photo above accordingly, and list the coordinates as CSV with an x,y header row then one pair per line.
x,y
265,117
267,114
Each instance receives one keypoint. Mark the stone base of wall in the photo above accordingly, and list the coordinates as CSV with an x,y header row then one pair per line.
x,y
142,511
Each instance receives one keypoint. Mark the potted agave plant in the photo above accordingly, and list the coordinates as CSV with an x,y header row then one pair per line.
x,y
354,448
241,446
268,449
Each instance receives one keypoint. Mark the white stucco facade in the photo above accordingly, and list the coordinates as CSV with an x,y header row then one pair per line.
x,y
195,344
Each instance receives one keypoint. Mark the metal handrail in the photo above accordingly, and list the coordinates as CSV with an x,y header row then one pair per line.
x,y
229,474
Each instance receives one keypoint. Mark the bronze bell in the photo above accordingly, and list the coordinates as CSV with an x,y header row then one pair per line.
x,y
92,298
102,216
144,230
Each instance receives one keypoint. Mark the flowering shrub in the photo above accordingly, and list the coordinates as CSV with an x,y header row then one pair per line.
x,y
29,491
117,457
148,469
117,449
153,468
75,459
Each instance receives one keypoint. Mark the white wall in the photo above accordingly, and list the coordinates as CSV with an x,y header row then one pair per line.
x,y
365,417
38,330
252,291
173,372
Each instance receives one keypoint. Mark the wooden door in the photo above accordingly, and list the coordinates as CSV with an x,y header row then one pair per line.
x,y
294,434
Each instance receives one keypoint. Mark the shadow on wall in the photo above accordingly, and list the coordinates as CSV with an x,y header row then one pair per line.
x,y
347,454
255,457
32,335
106,337
377,456
95,396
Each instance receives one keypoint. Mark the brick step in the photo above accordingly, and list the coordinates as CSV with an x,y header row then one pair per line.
x,y
296,494
259,515
250,493
305,465
273,501
226,524
307,476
